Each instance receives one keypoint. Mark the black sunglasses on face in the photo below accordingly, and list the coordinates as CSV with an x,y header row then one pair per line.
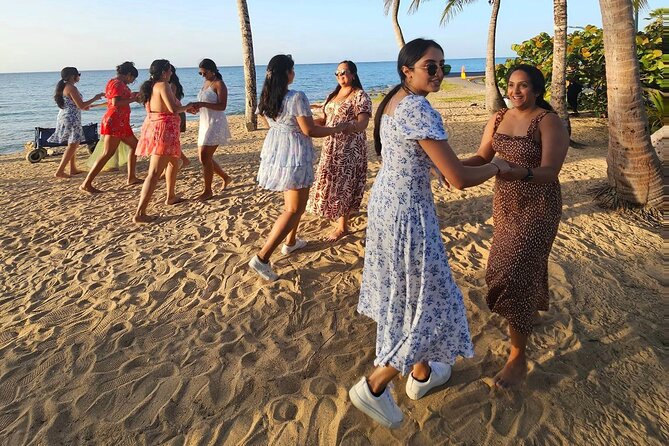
x,y
201,73
341,73
432,68
78,74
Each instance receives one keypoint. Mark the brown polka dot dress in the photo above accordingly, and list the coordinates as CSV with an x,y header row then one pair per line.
x,y
526,216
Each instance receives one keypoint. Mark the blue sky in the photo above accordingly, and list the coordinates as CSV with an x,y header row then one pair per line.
x,y
45,35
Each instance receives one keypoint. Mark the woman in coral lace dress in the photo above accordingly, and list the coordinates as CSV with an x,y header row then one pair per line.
x,y
159,138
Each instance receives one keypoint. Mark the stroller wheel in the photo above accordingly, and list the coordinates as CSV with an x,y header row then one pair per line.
x,y
44,152
35,156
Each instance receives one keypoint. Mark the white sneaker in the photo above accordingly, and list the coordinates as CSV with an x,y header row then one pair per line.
x,y
439,375
264,270
383,409
299,244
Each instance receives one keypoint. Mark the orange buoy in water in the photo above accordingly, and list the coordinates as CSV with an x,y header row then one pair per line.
x,y
463,75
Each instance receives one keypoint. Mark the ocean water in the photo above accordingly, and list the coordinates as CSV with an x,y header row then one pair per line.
x,y
26,99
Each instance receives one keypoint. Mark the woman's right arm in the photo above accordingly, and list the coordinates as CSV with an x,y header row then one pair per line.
x,y
485,153
455,172
74,94
310,128
169,98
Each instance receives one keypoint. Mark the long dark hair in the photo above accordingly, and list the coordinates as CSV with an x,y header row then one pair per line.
x,y
357,85
127,68
174,80
65,74
537,81
275,87
209,65
408,56
158,67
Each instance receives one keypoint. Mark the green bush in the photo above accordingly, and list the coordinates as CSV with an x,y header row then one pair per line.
x,y
586,63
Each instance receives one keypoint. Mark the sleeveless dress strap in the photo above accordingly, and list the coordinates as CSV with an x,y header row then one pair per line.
x,y
498,119
535,123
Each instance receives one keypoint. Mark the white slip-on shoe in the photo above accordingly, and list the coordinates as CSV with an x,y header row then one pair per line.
x,y
264,270
383,409
438,376
299,244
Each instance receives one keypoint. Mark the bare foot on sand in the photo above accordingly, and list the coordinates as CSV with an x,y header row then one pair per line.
x,y
76,172
204,196
174,200
335,235
89,190
513,373
134,180
142,219
227,180
61,175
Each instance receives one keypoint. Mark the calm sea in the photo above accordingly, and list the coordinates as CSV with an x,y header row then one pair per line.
x,y
26,99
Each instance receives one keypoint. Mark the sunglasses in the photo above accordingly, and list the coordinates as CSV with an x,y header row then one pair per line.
x,y
201,73
432,68
78,74
341,73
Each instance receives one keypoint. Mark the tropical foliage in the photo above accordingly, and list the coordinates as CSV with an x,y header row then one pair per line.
x,y
586,64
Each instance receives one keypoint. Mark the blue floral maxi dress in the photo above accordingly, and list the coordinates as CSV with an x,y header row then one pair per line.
x,y
287,156
407,286
68,124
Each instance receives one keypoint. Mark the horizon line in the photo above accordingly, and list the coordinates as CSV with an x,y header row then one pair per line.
x,y
241,66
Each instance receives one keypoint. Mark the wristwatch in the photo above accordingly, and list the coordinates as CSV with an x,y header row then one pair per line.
x,y
529,176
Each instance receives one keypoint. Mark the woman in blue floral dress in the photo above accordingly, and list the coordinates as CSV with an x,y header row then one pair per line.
x,y
68,124
407,286
286,159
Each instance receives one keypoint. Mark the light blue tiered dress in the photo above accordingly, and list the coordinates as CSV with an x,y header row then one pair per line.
x,y
68,124
407,286
286,159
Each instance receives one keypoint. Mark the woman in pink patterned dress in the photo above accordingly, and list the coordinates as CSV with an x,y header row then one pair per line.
x,y
159,138
342,171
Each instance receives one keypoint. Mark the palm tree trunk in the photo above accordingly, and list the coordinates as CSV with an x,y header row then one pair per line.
x,y
493,98
633,167
558,84
396,24
249,67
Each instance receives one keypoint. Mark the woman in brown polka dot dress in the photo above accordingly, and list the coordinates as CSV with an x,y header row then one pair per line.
x,y
526,209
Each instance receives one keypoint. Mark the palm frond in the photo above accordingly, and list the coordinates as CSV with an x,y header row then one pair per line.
x,y
452,8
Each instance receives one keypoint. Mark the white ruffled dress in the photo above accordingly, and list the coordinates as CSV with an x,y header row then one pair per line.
x,y
286,159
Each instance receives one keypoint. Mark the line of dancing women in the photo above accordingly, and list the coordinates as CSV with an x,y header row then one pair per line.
x,y
407,286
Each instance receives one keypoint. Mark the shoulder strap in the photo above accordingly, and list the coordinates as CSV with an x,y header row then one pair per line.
x,y
535,123
498,119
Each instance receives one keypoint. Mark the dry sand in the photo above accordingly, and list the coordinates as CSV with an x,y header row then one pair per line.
x,y
116,334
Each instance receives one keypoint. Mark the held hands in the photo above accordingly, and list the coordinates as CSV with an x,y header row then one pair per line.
x,y
350,128
502,165
193,107
98,96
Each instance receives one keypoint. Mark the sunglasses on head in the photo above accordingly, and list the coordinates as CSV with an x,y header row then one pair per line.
x,y
432,68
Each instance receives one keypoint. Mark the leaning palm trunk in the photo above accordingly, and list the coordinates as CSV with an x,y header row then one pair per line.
x,y
493,98
395,5
558,90
633,167
249,67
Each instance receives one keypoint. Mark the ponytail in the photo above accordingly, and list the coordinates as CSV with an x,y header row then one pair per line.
x,y
156,70
58,94
65,74
542,103
377,117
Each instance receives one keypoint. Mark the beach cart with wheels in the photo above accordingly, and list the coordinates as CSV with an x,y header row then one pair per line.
x,y
39,149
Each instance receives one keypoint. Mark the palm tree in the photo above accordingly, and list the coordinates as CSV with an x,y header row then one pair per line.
x,y
249,67
633,167
558,87
493,97
638,4
395,5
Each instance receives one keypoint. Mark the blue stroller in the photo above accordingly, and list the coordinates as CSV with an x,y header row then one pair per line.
x,y
42,134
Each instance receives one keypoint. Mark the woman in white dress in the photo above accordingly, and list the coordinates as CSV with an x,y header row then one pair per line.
x,y
214,130
286,159
407,286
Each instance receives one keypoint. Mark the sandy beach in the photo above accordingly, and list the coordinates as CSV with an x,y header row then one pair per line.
x,y
117,334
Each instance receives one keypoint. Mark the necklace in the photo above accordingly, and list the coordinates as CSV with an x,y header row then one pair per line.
x,y
407,89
